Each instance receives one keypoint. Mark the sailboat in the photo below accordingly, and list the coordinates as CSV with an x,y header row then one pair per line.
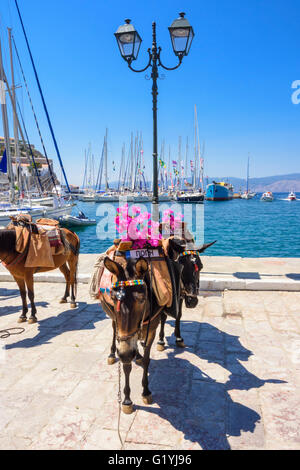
x,y
37,207
247,194
196,194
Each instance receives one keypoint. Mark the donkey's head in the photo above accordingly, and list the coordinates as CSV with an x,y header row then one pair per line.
x,y
129,294
191,268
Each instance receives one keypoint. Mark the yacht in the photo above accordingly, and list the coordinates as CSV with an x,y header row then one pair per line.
x,y
292,196
267,197
191,197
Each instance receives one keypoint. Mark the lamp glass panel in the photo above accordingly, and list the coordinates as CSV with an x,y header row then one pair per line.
x,y
126,42
179,43
191,37
137,45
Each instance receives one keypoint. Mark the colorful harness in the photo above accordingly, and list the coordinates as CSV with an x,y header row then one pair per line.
x,y
122,284
130,283
190,252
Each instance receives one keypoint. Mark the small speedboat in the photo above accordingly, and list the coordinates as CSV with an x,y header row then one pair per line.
x,y
292,196
80,221
267,196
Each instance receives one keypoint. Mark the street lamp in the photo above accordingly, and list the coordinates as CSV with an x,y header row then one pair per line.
x,y
129,42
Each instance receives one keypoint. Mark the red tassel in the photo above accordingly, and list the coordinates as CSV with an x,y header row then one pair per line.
x,y
119,306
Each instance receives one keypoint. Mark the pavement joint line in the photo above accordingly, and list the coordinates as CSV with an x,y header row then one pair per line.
x,y
206,283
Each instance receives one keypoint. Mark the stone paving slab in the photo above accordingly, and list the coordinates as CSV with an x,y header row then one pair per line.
x,y
219,273
235,386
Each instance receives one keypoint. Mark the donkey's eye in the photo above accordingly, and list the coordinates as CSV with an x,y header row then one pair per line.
x,y
140,298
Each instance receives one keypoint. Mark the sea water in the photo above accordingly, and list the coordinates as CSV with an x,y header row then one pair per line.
x,y
246,228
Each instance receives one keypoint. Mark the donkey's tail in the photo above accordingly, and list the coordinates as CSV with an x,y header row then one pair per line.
x,y
76,254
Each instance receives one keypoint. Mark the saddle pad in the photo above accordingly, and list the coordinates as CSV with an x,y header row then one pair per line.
x,y
50,222
96,276
39,253
161,283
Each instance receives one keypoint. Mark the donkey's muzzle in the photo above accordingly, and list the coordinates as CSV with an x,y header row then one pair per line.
x,y
127,350
191,301
126,357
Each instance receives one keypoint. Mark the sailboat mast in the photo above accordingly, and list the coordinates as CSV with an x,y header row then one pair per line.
x,y
186,158
105,162
6,128
248,174
195,164
13,89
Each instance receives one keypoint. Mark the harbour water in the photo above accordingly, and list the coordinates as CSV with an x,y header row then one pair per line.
x,y
246,228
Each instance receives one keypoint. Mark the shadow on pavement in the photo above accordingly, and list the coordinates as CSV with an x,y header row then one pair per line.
x,y
6,294
69,320
11,309
293,276
197,405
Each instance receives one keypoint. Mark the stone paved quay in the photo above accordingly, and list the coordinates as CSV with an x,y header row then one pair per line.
x,y
235,386
219,273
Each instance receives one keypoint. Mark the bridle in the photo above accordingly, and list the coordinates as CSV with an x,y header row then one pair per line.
x,y
120,295
186,253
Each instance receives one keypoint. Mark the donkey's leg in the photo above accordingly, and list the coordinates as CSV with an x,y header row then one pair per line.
x,y
30,289
112,357
22,287
138,358
161,342
73,262
179,339
66,272
127,405
147,395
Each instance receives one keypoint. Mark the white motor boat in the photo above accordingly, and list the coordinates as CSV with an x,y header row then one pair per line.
x,y
292,196
80,221
267,197
192,197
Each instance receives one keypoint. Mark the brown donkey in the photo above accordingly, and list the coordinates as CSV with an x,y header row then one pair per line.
x,y
15,263
135,316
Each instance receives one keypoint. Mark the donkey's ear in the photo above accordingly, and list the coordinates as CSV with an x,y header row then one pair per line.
x,y
141,267
177,245
113,267
204,247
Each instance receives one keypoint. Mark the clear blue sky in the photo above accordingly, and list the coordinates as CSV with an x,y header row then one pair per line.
x,y
239,73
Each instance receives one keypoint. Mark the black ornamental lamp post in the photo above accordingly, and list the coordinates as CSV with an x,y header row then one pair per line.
x,y
129,42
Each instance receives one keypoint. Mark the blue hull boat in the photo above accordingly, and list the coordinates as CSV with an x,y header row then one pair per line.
x,y
219,192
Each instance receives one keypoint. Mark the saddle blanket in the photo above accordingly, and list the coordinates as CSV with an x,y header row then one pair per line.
x,y
53,234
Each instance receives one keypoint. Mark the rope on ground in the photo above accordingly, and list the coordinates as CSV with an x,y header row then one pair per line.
x,y
11,332
120,401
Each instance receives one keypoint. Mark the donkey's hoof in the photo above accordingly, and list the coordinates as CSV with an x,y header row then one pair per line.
x,y
160,347
180,344
148,400
111,360
32,321
22,320
127,409
73,305
63,301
